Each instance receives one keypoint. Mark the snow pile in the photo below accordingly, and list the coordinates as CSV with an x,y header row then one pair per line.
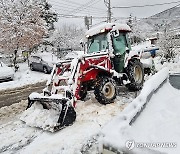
x,y
174,67
92,111
119,125
160,121
36,116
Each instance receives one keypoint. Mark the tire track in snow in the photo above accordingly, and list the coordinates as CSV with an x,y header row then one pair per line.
x,y
18,138
16,135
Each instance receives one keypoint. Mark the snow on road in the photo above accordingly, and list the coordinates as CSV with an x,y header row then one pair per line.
x,y
16,137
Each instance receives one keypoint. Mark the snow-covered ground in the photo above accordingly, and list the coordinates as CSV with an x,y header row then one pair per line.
x,y
156,128
24,76
17,137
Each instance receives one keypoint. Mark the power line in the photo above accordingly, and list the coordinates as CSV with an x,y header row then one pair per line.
x,y
62,7
81,4
68,9
77,16
147,5
70,6
73,5
84,6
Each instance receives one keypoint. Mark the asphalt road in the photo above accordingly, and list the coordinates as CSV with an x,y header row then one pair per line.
x,y
9,97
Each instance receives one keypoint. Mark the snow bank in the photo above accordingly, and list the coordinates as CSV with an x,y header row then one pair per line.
x,y
130,113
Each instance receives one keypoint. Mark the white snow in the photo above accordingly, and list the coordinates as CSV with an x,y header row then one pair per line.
x,y
24,76
5,71
36,116
97,29
17,137
48,57
157,123
91,116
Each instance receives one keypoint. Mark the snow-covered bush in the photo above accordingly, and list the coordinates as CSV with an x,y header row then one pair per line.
x,y
169,42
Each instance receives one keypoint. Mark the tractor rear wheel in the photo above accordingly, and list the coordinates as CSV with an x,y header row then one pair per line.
x,y
135,74
105,90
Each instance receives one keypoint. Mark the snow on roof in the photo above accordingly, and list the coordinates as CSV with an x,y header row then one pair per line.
x,y
108,26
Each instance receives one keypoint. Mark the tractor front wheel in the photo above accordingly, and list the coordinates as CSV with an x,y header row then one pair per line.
x,y
105,90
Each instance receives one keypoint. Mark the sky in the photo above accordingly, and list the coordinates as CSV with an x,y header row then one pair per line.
x,y
98,10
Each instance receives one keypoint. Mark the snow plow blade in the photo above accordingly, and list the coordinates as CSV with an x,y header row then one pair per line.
x,y
49,114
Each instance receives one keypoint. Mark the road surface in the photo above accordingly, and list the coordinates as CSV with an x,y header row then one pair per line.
x,y
9,97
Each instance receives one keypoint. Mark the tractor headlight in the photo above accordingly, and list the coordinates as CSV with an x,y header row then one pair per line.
x,y
102,30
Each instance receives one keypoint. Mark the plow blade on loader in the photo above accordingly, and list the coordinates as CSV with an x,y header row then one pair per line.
x,y
62,113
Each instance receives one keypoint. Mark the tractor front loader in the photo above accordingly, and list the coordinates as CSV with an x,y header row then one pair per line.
x,y
108,61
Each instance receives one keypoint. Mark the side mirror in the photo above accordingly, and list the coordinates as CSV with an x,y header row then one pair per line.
x,y
82,44
115,33
127,50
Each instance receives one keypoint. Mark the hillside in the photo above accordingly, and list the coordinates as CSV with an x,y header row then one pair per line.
x,y
168,19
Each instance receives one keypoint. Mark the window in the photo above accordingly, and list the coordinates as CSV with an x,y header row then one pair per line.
x,y
97,43
120,44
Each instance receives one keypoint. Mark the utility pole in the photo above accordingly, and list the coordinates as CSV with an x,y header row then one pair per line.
x,y
88,21
108,5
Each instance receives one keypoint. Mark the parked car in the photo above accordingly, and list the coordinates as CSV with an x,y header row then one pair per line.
x,y
42,63
6,73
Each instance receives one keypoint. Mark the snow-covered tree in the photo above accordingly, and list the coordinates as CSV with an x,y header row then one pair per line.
x,y
47,14
67,37
136,35
168,44
23,24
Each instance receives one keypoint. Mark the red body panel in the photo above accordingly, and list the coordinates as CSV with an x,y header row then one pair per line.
x,y
92,67
87,70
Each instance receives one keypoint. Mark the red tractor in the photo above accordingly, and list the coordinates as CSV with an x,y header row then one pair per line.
x,y
108,61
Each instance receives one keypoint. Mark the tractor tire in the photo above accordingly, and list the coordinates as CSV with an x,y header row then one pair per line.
x,y
135,74
105,90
